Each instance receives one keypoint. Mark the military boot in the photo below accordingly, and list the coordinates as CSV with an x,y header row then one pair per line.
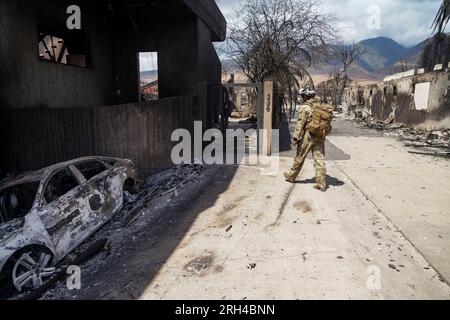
x,y
288,177
320,188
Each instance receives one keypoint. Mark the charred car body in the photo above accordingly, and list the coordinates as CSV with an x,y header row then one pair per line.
x,y
46,214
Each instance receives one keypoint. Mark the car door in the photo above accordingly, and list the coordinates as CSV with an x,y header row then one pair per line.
x,y
62,208
97,178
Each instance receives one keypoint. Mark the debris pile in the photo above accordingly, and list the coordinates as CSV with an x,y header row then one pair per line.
x,y
175,177
435,143
165,184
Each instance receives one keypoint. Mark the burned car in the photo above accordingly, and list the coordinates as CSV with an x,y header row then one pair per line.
x,y
46,214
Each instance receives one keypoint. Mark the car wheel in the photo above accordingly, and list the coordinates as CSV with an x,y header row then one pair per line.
x,y
31,268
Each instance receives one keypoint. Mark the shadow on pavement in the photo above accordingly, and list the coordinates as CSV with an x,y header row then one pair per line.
x,y
333,153
331,181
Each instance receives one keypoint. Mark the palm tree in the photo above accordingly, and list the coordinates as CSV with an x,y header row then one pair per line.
x,y
442,17
437,49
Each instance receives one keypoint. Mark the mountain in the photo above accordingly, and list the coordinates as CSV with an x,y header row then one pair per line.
x,y
380,52
414,54
356,71
321,71
383,56
410,60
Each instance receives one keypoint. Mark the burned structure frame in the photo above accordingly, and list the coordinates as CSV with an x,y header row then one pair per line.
x,y
86,102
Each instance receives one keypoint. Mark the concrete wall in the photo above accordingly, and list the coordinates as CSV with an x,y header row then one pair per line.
x,y
208,69
210,14
187,59
27,82
419,99
185,53
178,57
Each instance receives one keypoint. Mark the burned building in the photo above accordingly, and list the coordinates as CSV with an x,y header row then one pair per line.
x,y
412,98
69,92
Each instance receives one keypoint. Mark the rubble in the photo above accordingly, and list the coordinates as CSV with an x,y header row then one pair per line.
x,y
435,143
412,97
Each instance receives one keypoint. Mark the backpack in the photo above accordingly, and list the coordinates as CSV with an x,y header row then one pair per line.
x,y
320,125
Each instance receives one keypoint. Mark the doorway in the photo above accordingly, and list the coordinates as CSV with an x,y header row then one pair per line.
x,y
148,76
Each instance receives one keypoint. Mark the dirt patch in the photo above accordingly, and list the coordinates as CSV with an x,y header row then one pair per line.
x,y
200,265
225,216
218,269
259,216
225,222
242,198
303,206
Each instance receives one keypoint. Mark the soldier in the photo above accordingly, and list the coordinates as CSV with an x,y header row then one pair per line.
x,y
313,125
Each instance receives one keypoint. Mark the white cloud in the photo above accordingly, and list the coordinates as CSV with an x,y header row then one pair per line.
x,y
406,21
148,61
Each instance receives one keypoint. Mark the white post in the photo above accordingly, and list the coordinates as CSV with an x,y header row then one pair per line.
x,y
268,112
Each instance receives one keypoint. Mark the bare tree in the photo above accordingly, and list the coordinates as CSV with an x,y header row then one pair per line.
x,y
339,77
278,39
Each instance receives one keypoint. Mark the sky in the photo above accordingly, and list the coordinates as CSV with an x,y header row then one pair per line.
x,y
406,21
148,61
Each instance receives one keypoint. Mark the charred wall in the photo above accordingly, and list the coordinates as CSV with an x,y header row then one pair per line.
x,y
399,100
28,82
40,123
32,139
116,35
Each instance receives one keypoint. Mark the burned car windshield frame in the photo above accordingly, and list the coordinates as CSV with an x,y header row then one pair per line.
x,y
86,171
25,197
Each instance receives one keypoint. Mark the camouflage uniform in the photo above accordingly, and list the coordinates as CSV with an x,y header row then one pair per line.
x,y
306,144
